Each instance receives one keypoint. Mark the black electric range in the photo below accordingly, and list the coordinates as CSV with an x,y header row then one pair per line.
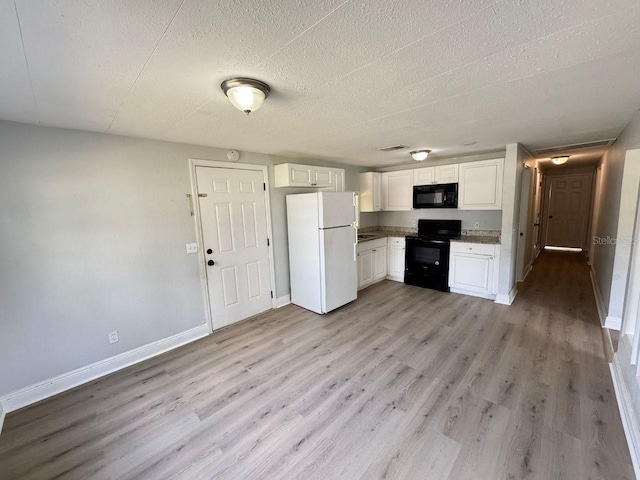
x,y
427,253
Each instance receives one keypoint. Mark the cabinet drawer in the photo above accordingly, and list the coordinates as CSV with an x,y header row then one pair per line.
x,y
476,248
371,244
396,241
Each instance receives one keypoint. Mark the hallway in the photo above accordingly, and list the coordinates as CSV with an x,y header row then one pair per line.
x,y
402,383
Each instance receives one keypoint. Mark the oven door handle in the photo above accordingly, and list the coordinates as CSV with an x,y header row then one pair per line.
x,y
428,242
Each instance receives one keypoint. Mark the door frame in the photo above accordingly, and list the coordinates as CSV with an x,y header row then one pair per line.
x,y
193,163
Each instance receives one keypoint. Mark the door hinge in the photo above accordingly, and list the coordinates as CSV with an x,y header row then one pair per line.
x,y
268,243
264,187
271,293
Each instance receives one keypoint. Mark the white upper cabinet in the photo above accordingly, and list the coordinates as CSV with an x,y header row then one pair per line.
x,y
293,175
435,175
481,185
322,177
370,192
397,190
424,176
338,179
447,173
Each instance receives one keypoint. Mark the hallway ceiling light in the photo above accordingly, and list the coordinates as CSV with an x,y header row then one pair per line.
x,y
560,160
420,155
246,94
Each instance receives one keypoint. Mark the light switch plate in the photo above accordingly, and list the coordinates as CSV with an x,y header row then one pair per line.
x,y
192,248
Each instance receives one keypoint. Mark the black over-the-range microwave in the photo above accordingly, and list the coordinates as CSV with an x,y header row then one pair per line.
x,y
436,196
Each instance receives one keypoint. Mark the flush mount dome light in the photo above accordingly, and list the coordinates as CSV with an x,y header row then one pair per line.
x,y
246,94
420,155
560,160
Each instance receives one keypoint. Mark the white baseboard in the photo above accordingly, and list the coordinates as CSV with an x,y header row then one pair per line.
x,y
627,414
283,300
473,294
598,294
527,271
613,323
39,391
2,415
503,299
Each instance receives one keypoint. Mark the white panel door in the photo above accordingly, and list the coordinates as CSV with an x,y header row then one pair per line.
x,y
338,272
568,210
234,229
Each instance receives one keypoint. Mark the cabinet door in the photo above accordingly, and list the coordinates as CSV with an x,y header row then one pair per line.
x,y
396,261
377,192
481,185
397,190
471,272
300,175
424,176
322,177
379,263
365,268
446,174
338,179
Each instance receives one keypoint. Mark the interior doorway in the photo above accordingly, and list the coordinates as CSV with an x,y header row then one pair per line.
x,y
234,230
566,210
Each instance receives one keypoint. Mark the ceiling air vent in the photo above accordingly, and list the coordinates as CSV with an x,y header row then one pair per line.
x,y
576,146
392,148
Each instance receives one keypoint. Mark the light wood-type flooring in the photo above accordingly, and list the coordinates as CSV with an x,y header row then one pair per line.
x,y
402,383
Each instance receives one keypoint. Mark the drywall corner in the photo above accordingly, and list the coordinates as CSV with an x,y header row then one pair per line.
x,y
2,415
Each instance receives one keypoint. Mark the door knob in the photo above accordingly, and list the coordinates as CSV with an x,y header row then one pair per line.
x,y
211,262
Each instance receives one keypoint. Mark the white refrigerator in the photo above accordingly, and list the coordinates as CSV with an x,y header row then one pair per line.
x,y
322,249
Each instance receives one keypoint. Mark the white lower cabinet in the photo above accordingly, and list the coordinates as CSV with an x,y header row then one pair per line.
x,y
372,262
473,269
395,266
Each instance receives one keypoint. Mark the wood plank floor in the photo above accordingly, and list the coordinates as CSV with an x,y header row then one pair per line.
x,y
403,383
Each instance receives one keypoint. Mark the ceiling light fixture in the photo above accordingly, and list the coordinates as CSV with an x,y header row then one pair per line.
x,y
560,160
420,155
246,94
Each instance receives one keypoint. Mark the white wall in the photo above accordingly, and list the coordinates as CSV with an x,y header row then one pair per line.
x,y
515,159
93,230
489,220
619,194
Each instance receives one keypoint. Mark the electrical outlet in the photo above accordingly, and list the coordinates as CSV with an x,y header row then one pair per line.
x,y
476,225
192,248
414,223
113,337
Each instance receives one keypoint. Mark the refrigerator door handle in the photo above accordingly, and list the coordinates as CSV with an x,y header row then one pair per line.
x,y
355,243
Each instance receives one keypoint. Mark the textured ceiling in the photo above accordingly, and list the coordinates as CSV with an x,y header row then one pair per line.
x,y
347,76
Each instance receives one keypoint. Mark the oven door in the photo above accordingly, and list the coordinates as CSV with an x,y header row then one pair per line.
x,y
427,263
432,254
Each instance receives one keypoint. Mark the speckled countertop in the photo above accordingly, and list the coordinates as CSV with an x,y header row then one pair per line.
x,y
486,239
489,237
